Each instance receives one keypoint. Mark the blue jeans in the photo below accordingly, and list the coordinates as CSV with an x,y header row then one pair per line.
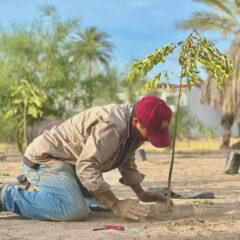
x,y
58,196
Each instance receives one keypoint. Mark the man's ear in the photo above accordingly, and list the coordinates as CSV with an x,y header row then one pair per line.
x,y
134,121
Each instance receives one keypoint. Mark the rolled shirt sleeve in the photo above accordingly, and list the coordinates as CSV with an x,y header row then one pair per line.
x,y
129,172
101,144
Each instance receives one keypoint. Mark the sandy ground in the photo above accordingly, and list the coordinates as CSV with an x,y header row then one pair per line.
x,y
193,172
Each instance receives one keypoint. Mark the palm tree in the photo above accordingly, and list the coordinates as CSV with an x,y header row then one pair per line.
x,y
93,48
224,17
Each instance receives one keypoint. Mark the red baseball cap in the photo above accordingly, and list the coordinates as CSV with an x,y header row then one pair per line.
x,y
155,116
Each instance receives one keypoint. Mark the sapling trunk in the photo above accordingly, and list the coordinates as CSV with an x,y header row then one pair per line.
x,y
173,147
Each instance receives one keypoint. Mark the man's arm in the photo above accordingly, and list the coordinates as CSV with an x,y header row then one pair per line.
x,y
102,143
133,178
148,196
127,208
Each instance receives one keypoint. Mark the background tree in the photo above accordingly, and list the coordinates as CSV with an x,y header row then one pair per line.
x,y
93,49
26,104
223,17
45,53
37,53
132,92
100,89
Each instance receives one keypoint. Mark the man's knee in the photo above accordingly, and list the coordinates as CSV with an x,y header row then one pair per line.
x,y
76,213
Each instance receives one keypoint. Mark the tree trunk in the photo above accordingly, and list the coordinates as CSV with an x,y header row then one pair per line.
x,y
25,142
238,129
227,122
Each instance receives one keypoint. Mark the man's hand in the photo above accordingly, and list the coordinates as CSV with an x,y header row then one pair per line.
x,y
127,208
152,197
149,196
130,208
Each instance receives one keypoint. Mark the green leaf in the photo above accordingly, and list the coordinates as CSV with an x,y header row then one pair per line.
x,y
9,114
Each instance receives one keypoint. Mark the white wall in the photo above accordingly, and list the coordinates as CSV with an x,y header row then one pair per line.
x,y
207,115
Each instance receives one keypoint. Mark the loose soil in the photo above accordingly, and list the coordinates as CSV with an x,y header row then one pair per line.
x,y
193,172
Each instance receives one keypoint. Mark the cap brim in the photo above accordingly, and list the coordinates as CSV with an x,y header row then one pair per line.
x,y
159,139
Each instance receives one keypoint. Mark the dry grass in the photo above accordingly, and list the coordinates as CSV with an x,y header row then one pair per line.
x,y
200,144
5,147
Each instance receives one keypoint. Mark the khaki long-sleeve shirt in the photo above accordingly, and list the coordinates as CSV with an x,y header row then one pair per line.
x,y
93,141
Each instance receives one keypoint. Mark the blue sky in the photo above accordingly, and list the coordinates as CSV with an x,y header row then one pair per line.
x,y
136,27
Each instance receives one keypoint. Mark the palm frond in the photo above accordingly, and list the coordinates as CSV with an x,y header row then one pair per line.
x,y
225,6
93,48
226,31
228,99
208,21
